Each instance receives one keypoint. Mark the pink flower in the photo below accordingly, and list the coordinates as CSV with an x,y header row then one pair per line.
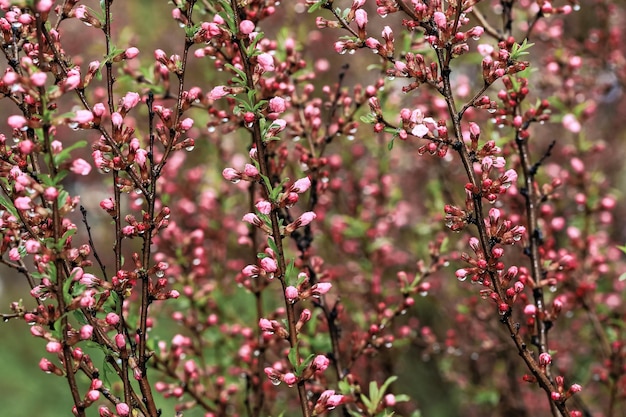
x,y
321,288
266,61
231,174
545,359
93,395
112,319
130,100
131,52
390,400
301,185
246,27
253,219
120,341
122,409
80,167
440,19
250,170
320,363
44,6
32,246
72,81
530,310
291,293
305,218
22,203
83,116
17,122
419,130
571,123
372,43
53,347
264,207
117,119
269,265
39,79
290,379
277,105
186,124
360,16
266,325
218,92
86,331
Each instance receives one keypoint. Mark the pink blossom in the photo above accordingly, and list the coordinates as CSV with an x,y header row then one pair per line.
x,y
246,27
266,61
320,363
301,185
290,378
530,310
80,167
17,122
122,409
22,203
321,288
269,265
372,43
291,293
120,341
440,19
571,123
265,325
419,130
545,359
107,204
72,81
131,52
83,116
39,79
390,400
26,147
277,105
360,17
130,100
53,347
112,319
335,400
186,124
306,218
264,207
32,246
93,395
117,119
253,219
250,170
231,174
218,92
44,6
86,331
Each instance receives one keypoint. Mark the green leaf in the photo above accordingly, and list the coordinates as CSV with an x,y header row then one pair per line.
x,y
305,364
316,6
8,205
272,245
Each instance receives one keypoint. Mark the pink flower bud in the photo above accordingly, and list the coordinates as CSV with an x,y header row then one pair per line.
x,y
360,17
269,265
306,218
320,363
53,347
321,288
120,341
530,310
277,105
246,27
80,167
112,319
253,219
22,203
17,122
131,52
264,207
266,62
218,92
545,359
250,170
86,331
440,19
301,185
291,293
290,379
122,409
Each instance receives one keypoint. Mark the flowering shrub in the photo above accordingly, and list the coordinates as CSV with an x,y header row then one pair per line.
x,y
429,223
